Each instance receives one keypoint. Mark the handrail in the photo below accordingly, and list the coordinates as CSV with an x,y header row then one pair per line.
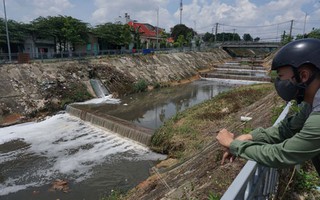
x,y
254,180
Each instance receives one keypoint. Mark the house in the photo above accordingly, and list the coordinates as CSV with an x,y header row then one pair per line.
x,y
92,46
148,33
39,48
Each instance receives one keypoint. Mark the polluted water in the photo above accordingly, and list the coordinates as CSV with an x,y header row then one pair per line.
x,y
62,147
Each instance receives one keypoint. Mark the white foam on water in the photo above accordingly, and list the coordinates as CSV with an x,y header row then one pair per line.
x,y
63,146
106,99
233,81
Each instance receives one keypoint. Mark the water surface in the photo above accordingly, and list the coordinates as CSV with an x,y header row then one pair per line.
x,y
93,161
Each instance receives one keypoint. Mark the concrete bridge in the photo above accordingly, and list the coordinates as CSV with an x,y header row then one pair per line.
x,y
250,45
249,49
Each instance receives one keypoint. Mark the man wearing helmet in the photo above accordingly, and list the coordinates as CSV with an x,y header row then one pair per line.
x,y
297,138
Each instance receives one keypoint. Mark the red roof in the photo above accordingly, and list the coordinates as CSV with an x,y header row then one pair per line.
x,y
146,30
170,40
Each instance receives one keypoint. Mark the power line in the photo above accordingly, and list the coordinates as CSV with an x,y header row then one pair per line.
x,y
237,26
257,26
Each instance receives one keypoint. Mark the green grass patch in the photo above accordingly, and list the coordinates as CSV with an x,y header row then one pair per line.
x,y
75,93
115,195
187,132
140,86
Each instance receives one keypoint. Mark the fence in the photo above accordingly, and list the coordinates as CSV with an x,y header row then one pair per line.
x,y
73,55
255,181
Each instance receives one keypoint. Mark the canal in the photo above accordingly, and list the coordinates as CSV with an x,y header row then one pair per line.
x,y
92,161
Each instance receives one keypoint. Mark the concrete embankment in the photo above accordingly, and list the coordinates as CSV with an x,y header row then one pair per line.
x,y
29,89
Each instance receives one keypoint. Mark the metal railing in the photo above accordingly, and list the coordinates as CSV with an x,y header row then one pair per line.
x,y
80,55
254,180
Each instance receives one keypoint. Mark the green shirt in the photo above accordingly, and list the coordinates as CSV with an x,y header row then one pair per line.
x,y
293,141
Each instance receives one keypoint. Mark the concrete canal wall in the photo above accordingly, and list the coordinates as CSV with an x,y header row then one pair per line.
x,y
28,90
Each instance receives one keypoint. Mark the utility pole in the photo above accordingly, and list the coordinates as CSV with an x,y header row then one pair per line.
x,y
6,22
158,28
216,32
277,34
305,20
181,8
290,33
234,30
304,25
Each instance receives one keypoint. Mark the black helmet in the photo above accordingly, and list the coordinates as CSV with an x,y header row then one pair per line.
x,y
297,53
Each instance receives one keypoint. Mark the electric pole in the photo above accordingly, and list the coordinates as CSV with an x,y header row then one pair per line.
x,y
304,25
234,31
290,33
216,32
7,32
181,8
158,28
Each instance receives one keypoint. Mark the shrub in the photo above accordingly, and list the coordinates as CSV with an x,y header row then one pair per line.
x,y
140,86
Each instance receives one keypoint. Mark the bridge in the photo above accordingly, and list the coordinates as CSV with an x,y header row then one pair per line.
x,y
250,45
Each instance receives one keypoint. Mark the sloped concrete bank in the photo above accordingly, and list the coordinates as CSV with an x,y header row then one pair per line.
x,y
28,90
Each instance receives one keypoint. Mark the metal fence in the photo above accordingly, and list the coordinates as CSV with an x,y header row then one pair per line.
x,y
254,180
74,55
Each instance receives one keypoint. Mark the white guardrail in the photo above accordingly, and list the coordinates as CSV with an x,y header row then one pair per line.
x,y
254,180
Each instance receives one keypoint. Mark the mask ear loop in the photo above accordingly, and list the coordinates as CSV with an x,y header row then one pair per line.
x,y
296,74
302,86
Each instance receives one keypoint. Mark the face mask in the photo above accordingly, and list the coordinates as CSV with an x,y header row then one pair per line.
x,y
288,90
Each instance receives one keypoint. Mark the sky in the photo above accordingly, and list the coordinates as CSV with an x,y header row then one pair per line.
x,y
260,18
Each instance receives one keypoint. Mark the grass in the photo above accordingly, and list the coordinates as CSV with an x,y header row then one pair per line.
x,y
75,93
140,86
301,182
115,195
187,132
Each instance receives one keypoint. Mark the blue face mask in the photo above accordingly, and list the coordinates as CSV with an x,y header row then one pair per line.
x,y
288,90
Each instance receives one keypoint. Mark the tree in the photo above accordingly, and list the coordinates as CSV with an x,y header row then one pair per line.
x,y
64,29
257,39
181,41
208,37
247,37
16,34
315,33
228,37
182,29
136,37
285,38
74,31
114,36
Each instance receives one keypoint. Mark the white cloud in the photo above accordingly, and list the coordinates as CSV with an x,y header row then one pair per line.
x,y
106,11
238,13
51,8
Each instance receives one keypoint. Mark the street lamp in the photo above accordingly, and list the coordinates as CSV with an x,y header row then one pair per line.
x,y
5,19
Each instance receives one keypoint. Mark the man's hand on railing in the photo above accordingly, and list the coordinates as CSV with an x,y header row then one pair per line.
x,y
227,156
225,138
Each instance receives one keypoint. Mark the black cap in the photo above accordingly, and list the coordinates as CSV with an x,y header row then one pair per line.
x,y
297,53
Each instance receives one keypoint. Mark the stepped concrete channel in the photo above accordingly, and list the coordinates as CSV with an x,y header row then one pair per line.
x,y
122,127
236,71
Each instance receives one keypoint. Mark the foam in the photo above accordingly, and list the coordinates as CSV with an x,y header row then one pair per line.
x,y
233,81
106,99
63,145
